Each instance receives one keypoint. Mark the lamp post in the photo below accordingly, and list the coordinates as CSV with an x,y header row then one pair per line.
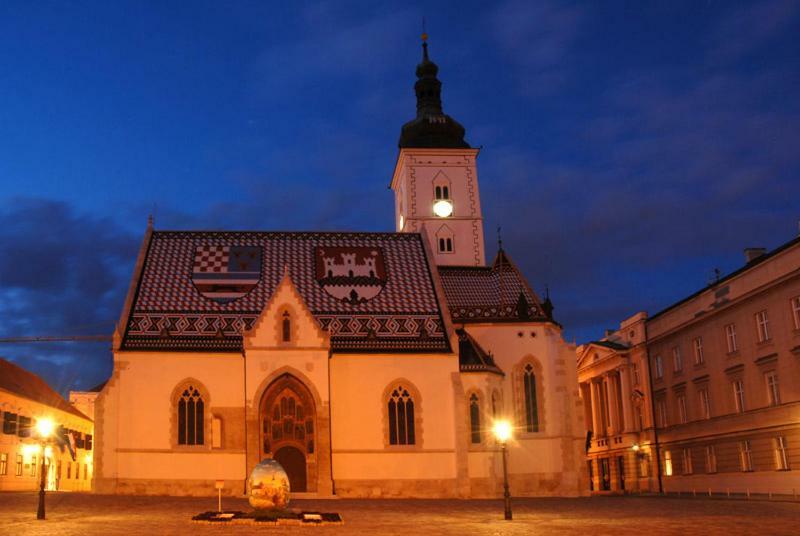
x,y
44,429
502,431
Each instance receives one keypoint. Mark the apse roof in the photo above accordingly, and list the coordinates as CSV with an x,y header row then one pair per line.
x,y
496,293
371,291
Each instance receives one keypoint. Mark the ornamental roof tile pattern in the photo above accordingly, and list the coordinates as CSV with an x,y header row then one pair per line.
x,y
169,312
489,293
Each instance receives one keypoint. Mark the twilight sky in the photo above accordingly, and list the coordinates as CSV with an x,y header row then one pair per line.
x,y
629,148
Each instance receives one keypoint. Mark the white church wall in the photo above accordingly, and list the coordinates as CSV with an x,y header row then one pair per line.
x,y
364,464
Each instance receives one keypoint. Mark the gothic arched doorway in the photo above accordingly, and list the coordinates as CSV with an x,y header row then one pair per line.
x,y
294,463
287,416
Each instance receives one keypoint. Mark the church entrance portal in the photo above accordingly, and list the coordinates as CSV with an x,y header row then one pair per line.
x,y
294,463
287,416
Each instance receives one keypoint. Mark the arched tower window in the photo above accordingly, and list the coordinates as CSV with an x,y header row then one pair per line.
x,y
445,240
191,422
286,324
529,389
401,417
474,419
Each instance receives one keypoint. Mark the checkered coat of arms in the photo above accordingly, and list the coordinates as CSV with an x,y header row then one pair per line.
x,y
225,273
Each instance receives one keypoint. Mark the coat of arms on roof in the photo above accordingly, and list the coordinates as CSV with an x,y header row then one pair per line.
x,y
225,273
350,274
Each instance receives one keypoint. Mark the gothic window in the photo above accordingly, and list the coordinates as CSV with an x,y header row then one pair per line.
x,y
474,419
286,327
496,407
190,417
401,417
531,409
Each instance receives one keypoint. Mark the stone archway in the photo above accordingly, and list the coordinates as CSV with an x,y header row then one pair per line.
x,y
287,428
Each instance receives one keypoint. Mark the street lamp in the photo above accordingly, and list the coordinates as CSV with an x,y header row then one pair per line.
x,y
44,429
502,431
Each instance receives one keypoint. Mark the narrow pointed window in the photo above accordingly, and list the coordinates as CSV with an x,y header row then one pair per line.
x,y
287,327
531,409
401,417
191,417
474,419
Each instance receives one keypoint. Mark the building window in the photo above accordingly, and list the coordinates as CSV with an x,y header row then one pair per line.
x,y
531,409
699,358
190,417
705,405
25,426
686,458
773,394
677,359
667,463
441,192
738,395
796,311
33,465
3,464
682,418
286,325
730,338
661,410
401,417
711,459
659,367
86,471
18,468
445,245
781,460
69,470
639,421
635,368
474,419
10,423
745,456
496,407
762,326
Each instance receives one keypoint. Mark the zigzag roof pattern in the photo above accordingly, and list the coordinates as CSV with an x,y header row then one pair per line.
x,y
170,310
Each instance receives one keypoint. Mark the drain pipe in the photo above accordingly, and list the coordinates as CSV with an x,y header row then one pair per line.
x,y
330,423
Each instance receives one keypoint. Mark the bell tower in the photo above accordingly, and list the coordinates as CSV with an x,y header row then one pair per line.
x,y
435,180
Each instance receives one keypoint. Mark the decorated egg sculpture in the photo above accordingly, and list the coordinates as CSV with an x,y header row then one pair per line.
x,y
268,486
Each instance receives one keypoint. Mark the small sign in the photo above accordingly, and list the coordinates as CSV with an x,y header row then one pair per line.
x,y
219,484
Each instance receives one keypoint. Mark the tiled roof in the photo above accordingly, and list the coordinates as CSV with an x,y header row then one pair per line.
x,y
611,344
473,358
489,293
19,381
389,304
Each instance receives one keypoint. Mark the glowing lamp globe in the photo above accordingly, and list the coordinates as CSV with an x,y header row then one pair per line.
x,y
268,486
443,208
502,431
45,427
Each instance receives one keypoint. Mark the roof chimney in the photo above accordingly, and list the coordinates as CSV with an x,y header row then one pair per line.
x,y
751,254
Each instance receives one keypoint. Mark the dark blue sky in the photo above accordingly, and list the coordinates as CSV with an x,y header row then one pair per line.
x,y
628,147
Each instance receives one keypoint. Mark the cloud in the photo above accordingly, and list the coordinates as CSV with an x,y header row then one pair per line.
x,y
63,273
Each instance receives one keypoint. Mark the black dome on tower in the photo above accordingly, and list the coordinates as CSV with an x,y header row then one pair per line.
x,y
432,128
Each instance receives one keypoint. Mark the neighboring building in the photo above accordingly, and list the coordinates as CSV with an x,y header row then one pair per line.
x,y
367,364
613,378
725,364
84,401
25,398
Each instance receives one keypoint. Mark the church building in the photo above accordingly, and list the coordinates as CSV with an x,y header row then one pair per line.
x,y
367,364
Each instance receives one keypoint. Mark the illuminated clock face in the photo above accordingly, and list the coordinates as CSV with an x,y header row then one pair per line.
x,y
443,208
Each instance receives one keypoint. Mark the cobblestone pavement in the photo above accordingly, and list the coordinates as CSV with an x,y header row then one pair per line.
x,y
85,515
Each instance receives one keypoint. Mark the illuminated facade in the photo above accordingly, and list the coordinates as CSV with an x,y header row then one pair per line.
x,y
24,399
725,363
613,379
722,366
367,364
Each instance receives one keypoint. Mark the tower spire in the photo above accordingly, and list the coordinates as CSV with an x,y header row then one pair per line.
x,y
432,127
